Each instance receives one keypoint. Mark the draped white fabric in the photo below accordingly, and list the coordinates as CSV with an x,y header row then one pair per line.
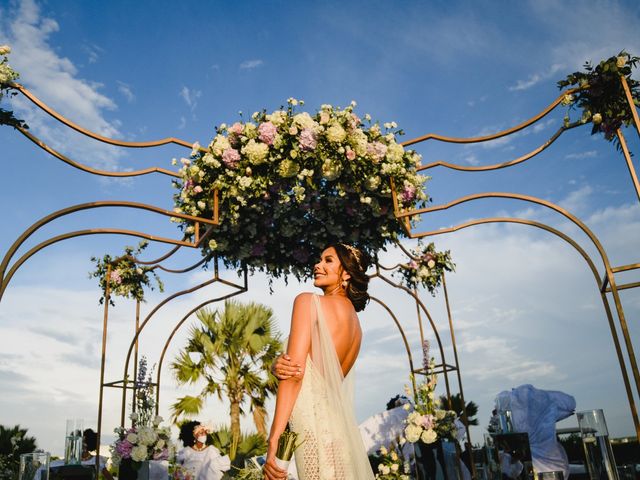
x,y
323,415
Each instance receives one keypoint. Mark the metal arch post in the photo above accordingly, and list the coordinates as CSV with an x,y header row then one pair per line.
x,y
105,321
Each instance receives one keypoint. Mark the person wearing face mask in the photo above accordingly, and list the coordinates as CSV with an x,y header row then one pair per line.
x,y
205,462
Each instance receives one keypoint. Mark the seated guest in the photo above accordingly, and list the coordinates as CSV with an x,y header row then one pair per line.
x,y
204,461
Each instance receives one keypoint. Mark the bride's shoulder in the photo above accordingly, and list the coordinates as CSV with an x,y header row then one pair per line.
x,y
304,297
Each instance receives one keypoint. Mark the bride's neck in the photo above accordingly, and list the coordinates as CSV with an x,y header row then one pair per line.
x,y
334,291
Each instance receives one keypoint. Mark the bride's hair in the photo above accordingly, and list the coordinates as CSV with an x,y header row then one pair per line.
x,y
356,263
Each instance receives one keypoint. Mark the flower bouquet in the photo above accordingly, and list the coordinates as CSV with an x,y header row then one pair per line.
x,y
426,267
286,446
392,465
7,76
428,422
142,443
290,183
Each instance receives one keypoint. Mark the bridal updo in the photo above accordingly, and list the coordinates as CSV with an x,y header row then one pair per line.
x,y
356,263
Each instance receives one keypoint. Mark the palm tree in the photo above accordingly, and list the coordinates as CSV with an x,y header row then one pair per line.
x,y
13,443
457,406
237,348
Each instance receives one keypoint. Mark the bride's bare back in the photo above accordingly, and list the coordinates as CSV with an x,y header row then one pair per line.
x,y
344,328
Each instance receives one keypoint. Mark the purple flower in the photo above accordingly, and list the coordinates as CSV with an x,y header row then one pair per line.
x,y
427,421
230,157
124,448
409,193
258,250
161,455
425,355
301,255
267,132
188,184
308,139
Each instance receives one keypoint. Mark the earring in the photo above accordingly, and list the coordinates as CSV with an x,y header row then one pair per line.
x,y
345,284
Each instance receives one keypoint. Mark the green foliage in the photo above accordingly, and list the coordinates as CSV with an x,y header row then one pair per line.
x,y
457,406
426,267
249,445
13,442
7,76
127,277
237,347
601,97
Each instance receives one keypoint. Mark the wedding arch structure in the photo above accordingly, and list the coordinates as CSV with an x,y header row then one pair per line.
x,y
603,271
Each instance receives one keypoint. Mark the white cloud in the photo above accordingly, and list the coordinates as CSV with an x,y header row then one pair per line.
x,y
126,91
190,97
54,79
251,64
536,78
581,155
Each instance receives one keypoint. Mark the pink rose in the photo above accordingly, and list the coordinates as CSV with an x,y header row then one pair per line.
x,y
308,140
351,155
267,132
427,421
236,128
197,189
230,157
377,150
115,277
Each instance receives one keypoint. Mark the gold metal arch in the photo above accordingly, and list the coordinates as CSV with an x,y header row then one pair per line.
x,y
608,283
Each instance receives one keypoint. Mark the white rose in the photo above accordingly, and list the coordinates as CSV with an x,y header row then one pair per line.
x,y
304,120
383,450
147,436
431,263
429,436
385,470
5,49
394,467
157,420
596,119
336,134
412,433
256,151
139,453
621,61
132,438
195,149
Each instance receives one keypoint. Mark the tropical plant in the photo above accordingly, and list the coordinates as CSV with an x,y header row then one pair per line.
x,y
13,443
249,445
237,347
457,406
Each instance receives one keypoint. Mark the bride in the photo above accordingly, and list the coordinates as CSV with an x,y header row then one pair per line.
x,y
325,336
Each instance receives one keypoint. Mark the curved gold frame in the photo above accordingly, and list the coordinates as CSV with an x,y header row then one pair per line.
x,y
606,285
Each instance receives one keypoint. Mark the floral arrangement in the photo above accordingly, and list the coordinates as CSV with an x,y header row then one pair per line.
x,y
601,97
290,183
179,472
7,76
126,278
427,422
426,267
142,443
391,462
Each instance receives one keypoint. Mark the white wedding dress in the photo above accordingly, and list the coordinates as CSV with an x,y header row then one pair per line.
x,y
323,415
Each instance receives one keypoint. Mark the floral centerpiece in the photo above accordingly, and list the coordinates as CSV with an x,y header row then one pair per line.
x,y
428,422
142,443
426,267
391,462
7,76
292,182
601,97
126,277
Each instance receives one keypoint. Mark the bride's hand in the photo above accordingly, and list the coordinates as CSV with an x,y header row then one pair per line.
x,y
270,469
283,368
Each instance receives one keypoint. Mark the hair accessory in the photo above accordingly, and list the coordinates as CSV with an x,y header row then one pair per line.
x,y
355,252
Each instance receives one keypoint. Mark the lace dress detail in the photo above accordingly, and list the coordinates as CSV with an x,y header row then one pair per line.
x,y
323,415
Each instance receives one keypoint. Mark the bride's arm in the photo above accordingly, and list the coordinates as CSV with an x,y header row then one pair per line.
x,y
298,349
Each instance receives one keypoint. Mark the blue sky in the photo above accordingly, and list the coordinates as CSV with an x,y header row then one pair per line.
x,y
524,305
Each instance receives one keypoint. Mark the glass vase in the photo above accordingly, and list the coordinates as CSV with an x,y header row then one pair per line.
x,y
73,442
34,466
597,448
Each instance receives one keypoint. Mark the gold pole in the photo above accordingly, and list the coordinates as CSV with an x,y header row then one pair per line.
x,y
627,157
632,105
105,320
455,357
135,358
